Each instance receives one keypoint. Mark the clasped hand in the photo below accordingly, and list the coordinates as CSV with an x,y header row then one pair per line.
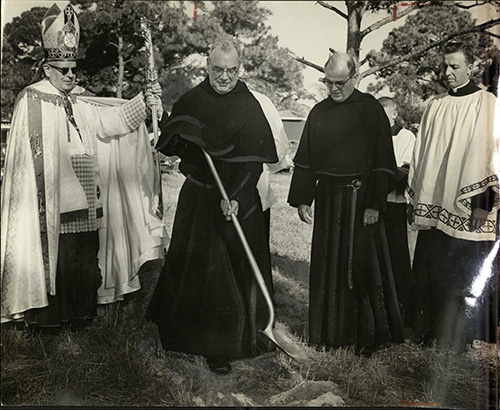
x,y
370,216
152,95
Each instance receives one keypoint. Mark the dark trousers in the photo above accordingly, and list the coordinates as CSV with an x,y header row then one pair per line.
x,y
455,287
397,240
77,279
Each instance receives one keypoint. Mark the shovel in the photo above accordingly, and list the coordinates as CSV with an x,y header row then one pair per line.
x,y
274,335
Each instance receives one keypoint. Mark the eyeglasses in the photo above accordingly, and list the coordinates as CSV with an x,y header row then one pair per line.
x,y
218,71
65,70
338,84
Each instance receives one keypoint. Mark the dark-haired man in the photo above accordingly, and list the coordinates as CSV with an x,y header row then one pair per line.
x,y
453,196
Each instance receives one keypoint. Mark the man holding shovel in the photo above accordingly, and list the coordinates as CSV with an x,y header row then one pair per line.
x,y
206,301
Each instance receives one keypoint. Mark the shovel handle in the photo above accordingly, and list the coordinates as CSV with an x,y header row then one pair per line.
x,y
251,259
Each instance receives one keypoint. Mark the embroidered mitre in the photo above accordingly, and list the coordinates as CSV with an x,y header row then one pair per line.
x,y
60,34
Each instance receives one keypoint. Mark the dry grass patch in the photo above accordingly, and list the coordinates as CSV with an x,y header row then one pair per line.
x,y
119,359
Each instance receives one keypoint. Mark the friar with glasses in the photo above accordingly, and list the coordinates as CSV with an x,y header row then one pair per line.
x,y
206,301
453,192
343,164
77,210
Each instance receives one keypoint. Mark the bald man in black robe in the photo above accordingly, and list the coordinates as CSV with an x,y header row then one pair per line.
x,y
344,164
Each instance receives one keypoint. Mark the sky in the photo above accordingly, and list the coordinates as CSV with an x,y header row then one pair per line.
x,y
304,27
323,29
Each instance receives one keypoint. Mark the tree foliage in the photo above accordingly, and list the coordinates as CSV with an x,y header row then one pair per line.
x,y
408,62
112,45
241,18
270,70
21,50
112,57
413,82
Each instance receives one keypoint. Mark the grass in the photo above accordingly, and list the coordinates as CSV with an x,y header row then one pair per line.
x,y
119,359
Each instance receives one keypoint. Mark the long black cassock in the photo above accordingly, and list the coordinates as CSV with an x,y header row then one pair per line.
x,y
206,301
342,143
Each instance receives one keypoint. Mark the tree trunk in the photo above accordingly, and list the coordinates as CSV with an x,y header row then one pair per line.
x,y
355,11
121,68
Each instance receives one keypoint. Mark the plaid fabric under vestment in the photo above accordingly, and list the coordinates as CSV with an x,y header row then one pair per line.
x,y
85,170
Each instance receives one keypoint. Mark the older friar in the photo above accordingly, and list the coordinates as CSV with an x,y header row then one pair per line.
x,y
344,164
206,301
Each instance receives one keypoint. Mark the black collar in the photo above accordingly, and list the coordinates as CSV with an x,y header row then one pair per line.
x,y
467,89
395,129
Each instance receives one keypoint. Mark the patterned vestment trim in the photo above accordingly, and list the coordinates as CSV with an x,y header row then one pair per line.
x,y
492,179
456,222
36,143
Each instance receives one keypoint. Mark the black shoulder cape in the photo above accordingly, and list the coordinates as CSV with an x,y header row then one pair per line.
x,y
348,138
231,127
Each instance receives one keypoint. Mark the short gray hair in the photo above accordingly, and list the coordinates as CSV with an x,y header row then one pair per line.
x,y
225,44
342,58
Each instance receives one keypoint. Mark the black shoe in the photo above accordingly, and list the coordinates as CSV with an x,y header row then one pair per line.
x,y
427,341
219,364
18,325
365,351
35,329
80,323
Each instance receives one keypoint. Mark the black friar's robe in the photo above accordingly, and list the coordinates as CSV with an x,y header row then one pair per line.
x,y
342,143
206,301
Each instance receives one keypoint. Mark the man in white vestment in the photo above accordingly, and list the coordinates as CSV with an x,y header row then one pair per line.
x,y
454,198
77,195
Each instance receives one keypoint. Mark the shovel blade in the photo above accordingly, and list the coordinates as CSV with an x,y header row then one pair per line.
x,y
286,345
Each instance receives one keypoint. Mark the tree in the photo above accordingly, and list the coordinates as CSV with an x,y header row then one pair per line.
x,y
111,47
21,52
111,42
409,60
268,68
414,81
357,10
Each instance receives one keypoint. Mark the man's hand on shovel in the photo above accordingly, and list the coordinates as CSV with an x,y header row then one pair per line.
x,y
229,208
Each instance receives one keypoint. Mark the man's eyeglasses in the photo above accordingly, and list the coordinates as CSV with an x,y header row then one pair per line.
x,y
218,71
65,70
338,84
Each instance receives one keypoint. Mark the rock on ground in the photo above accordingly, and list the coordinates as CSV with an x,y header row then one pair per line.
x,y
313,393
223,399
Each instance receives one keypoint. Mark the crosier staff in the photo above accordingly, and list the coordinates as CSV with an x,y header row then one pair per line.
x,y
152,77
